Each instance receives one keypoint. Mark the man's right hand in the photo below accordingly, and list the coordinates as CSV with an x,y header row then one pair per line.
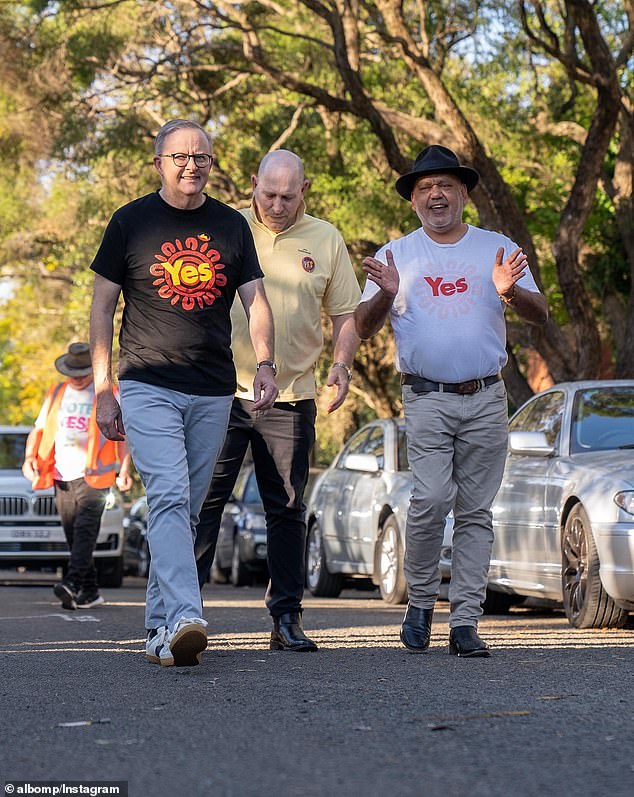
x,y
265,389
385,275
109,419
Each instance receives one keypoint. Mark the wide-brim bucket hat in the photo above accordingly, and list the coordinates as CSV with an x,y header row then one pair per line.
x,y
435,160
76,362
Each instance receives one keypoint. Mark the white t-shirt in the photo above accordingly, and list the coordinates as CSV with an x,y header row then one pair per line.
x,y
71,438
447,317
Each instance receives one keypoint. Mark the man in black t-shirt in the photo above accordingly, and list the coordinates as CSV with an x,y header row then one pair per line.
x,y
179,257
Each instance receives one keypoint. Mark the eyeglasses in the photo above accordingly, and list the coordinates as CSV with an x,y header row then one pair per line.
x,y
201,159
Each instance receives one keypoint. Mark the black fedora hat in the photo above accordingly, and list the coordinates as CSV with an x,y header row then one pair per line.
x,y
76,362
435,160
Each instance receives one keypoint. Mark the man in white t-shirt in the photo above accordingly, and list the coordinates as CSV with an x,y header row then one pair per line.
x,y
445,287
66,450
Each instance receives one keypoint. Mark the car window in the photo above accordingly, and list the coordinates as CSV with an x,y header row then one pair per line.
x,y
603,419
544,414
402,459
354,446
12,447
375,445
251,491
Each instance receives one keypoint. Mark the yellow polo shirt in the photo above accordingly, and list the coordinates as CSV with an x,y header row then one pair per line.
x,y
306,267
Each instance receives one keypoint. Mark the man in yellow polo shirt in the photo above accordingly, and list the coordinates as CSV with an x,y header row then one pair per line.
x,y
307,268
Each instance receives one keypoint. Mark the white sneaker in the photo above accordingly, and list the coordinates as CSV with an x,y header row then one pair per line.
x,y
157,648
187,641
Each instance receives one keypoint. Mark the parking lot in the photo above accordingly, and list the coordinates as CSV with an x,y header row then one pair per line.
x,y
549,713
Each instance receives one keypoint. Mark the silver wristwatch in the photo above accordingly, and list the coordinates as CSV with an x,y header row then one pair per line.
x,y
270,364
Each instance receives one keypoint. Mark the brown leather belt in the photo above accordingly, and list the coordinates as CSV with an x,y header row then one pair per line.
x,y
421,385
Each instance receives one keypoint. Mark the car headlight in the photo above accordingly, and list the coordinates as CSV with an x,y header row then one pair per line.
x,y
111,501
625,501
254,521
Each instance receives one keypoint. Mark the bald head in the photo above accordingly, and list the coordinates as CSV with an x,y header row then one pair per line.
x,y
278,189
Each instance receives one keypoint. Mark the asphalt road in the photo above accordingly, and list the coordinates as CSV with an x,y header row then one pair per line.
x,y
550,713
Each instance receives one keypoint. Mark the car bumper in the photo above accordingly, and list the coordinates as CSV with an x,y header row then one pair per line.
x,y
45,543
615,546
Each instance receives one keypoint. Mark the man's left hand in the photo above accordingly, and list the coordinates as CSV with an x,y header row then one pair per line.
x,y
265,389
506,273
338,377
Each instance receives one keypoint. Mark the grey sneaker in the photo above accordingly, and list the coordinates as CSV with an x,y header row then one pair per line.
x,y
66,593
188,640
86,600
157,648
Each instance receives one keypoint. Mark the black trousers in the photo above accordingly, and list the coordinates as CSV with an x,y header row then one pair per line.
x,y
80,507
281,441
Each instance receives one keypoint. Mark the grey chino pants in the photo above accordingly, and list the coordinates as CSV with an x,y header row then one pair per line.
x,y
456,447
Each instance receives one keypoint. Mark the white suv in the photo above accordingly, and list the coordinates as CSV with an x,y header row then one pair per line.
x,y
31,534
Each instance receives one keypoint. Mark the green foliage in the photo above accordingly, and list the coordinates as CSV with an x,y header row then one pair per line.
x,y
85,86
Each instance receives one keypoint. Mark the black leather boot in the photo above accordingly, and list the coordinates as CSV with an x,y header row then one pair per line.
x,y
416,629
465,642
288,634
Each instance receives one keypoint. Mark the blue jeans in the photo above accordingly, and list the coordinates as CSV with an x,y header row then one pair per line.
x,y
174,440
456,447
281,441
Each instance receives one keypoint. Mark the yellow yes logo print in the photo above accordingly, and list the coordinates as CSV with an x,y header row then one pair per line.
x,y
189,274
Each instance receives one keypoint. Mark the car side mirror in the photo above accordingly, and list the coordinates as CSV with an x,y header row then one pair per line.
x,y
366,463
532,444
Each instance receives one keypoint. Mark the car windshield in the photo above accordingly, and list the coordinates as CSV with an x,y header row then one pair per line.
x,y
602,419
251,492
12,446
403,462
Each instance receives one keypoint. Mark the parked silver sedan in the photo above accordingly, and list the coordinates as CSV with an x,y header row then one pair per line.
x,y
357,512
564,515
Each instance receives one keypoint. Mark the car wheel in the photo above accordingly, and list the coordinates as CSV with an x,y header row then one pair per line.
x,y
391,561
586,603
110,572
240,575
497,602
319,581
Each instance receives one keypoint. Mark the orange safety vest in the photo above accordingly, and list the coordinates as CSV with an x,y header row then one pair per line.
x,y
101,456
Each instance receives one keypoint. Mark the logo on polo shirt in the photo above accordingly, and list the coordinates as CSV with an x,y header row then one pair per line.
x,y
308,264
189,273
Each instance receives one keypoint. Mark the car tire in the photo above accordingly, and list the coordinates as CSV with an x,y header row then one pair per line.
x,y
240,575
497,602
390,563
110,572
319,581
586,603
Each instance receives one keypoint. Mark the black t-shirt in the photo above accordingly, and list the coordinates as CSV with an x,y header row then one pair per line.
x,y
179,271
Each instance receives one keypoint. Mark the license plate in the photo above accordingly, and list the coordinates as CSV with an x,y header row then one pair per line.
x,y
30,534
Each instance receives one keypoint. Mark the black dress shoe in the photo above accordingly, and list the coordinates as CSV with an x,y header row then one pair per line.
x,y
288,634
416,629
465,642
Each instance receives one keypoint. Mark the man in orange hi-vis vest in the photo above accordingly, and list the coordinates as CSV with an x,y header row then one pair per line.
x,y
66,450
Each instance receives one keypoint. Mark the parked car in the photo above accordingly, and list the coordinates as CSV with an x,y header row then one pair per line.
x,y
564,515
241,547
357,512
136,553
31,533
